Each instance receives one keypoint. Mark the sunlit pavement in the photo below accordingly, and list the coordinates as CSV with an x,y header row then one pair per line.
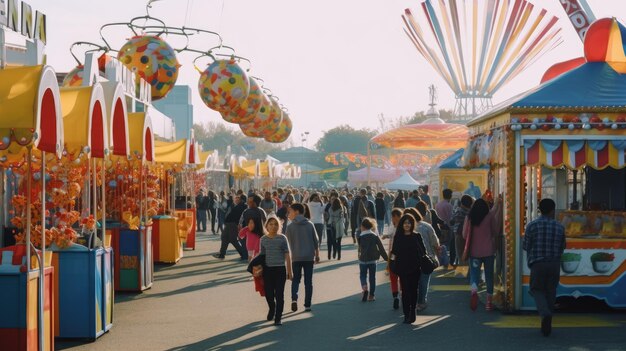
x,y
203,303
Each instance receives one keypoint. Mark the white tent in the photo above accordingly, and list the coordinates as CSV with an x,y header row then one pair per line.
x,y
405,182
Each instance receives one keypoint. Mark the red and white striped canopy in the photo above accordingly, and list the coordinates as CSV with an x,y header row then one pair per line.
x,y
575,153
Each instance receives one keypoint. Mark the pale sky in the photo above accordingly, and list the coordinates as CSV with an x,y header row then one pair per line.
x,y
330,62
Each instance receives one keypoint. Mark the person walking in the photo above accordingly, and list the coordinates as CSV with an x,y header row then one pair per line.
x,y
316,208
480,230
268,204
252,234
444,211
337,227
253,211
431,242
304,253
381,210
277,270
399,202
404,261
363,208
213,204
352,200
544,243
282,212
201,211
370,250
456,225
221,211
424,195
388,205
396,213
413,200
229,235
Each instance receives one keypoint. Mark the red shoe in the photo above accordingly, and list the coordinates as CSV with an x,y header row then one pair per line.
x,y
474,301
489,304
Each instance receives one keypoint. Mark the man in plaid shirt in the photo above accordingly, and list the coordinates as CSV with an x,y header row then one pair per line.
x,y
544,242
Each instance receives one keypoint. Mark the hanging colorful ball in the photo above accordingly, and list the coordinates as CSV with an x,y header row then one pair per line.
x,y
245,112
284,130
153,60
258,125
224,85
274,122
74,78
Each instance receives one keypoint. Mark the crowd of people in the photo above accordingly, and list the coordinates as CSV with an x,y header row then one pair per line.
x,y
280,234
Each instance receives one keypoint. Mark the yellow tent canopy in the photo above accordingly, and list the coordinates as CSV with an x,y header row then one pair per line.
x,y
141,138
171,152
84,120
30,110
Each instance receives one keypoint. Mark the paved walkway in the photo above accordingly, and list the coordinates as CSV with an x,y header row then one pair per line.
x,y
203,303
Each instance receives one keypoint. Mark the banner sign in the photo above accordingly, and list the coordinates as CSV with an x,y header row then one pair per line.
x,y
20,18
577,15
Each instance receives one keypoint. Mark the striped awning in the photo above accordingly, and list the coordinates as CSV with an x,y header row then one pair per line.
x,y
575,153
424,137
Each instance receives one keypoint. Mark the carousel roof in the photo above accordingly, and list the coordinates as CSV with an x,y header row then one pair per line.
x,y
432,135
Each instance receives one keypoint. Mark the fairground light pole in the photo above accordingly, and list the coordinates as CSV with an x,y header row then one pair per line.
x,y
305,137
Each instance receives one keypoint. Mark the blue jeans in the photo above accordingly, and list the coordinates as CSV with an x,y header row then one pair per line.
x,y
381,226
201,220
319,228
298,267
364,268
422,291
475,263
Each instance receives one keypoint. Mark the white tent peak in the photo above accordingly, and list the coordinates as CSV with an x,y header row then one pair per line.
x,y
404,182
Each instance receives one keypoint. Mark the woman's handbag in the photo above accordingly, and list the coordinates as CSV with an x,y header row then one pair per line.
x,y
427,263
257,271
257,261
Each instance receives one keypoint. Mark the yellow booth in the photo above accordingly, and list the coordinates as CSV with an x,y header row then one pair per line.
x,y
30,119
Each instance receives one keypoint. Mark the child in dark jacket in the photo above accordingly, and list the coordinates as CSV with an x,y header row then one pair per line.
x,y
370,250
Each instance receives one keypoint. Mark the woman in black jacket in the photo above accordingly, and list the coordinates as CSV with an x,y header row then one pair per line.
x,y
405,253
399,200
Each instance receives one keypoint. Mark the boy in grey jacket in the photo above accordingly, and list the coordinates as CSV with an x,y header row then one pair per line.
x,y
370,250
302,238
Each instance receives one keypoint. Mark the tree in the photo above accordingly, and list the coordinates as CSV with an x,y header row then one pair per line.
x,y
218,136
344,138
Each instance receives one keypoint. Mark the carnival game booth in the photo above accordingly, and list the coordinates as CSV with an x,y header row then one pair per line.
x,y
564,140
30,133
128,205
84,273
168,235
450,174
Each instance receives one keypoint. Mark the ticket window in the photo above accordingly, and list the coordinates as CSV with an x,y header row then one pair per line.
x,y
555,185
605,190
